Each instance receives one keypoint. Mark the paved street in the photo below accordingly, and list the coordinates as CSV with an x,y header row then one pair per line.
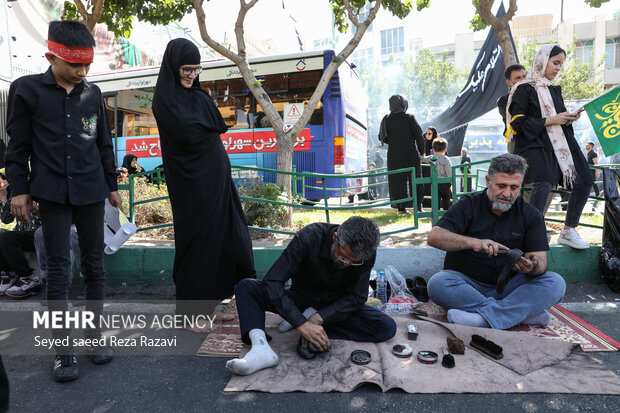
x,y
195,384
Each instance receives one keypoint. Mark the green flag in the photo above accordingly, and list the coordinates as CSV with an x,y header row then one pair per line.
x,y
604,114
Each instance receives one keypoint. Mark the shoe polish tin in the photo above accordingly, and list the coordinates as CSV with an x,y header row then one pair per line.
x,y
427,357
402,350
360,357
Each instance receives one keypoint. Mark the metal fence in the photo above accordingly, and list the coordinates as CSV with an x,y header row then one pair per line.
x,y
460,173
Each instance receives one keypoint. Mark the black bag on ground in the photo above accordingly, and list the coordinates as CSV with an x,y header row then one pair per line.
x,y
610,250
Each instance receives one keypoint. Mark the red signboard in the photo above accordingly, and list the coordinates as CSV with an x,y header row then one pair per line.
x,y
261,141
235,142
144,147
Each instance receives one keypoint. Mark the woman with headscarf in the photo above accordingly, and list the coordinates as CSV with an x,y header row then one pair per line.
x,y
429,137
540,126
213,249
402,133
131,165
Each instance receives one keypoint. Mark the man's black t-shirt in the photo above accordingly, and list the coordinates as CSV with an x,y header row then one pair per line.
x,y
592,155
521,227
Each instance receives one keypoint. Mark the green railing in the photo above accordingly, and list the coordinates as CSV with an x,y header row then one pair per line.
x,y
299,188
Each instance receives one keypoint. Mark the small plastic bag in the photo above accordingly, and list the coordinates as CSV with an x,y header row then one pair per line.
x,y
398,286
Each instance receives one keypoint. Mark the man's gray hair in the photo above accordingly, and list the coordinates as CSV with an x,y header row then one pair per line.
x,y
359,234
507,163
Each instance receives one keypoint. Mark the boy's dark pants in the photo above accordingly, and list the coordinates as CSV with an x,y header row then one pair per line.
x,y
368,324
56,220
445,195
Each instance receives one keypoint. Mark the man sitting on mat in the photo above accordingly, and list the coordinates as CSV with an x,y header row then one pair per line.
x,y
329,266
472,232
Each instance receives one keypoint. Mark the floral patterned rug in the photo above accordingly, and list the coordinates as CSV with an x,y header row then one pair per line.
x,y
225,339
564,325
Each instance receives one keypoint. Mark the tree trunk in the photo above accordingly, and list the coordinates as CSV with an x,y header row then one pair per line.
x,y
503,36
284,139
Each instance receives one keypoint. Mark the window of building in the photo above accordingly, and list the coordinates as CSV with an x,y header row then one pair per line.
x,y
363,57
584,52
362,15
392,41
612,49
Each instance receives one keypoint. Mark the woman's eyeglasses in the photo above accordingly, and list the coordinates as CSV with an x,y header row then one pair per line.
x,y
187,71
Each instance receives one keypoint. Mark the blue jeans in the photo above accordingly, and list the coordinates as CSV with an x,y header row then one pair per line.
x,y
524,296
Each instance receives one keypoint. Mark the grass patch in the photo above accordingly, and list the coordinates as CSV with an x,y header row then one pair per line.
x,y
381,217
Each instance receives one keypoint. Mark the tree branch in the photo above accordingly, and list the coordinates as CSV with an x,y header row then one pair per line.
x,y
243,10
333,66
82,10
351,13
96,14
484,10
512,9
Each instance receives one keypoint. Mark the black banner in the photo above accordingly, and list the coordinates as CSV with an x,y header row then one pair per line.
x,y
486,83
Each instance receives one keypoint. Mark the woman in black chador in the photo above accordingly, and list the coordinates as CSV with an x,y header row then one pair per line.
x,y
212,243
402,133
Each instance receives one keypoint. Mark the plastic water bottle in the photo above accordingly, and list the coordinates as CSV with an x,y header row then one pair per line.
x,y
397,308
382,288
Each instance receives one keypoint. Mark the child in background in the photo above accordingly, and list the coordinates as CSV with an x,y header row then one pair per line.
x,y
444,170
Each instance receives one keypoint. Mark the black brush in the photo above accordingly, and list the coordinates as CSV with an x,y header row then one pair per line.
x,y
448,359
512,256
486,347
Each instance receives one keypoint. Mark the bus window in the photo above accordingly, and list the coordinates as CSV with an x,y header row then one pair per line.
x,y
281,99
304,80
134,114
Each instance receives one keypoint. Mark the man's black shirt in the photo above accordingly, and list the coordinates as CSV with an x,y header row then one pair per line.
x,y
520,227
65,137
309,262
592,155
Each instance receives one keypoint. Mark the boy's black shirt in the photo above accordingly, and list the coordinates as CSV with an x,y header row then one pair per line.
x,y
66,138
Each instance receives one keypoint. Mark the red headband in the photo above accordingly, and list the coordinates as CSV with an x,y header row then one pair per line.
x,y
71,54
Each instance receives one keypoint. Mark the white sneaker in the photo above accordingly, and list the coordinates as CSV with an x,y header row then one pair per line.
x,y
24,287
571,238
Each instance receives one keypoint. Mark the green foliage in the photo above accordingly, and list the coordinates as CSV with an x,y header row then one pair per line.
x,y
425,81
152,213
476,23
595,3
118,15
577,81
399,9
261,214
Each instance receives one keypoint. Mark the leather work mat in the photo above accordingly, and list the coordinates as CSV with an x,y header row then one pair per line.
x,y
530,365
225,339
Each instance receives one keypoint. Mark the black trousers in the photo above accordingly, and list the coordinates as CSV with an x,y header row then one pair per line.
x,y
13,245
445,195
4,389
368,324
56,221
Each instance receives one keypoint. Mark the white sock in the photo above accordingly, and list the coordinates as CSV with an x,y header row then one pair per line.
x,y
286,326
467,319
259,357
541,319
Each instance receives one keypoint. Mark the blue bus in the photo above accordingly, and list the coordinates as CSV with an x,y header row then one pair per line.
x,y
333,142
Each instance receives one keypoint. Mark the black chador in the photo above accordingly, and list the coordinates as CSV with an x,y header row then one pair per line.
x,y
213,246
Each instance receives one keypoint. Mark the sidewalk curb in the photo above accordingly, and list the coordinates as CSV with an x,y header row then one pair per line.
x,y
136,264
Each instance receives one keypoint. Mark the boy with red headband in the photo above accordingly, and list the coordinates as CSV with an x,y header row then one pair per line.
x,y
60,154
